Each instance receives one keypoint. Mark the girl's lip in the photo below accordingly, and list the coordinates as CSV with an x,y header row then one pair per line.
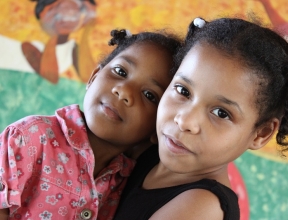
x,y
176,146
111,112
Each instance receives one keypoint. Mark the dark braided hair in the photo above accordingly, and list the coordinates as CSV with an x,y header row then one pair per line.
x,y
41,4
123,39
261,50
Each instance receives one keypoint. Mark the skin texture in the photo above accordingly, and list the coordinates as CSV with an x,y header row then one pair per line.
x,y
203,123
121,102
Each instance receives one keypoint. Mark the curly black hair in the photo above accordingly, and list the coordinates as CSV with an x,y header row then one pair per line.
x,y
41,4
123,39
261,50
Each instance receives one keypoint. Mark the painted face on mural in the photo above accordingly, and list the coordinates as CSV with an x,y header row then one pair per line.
x,y
121,102
65,16
207,115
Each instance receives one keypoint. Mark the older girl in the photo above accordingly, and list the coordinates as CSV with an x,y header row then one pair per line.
x,y
228,95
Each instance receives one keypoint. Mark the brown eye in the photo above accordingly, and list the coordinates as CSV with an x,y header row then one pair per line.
x,y
182,90
150,96
120,71
221,113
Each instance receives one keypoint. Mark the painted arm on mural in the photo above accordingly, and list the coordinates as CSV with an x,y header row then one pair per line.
x,y
274,16
85,62
46,63
59,19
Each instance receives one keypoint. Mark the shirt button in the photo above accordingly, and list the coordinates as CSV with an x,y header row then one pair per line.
x,y
86,214
2,186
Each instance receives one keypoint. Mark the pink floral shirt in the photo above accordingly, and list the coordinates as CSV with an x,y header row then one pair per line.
x,y
46,170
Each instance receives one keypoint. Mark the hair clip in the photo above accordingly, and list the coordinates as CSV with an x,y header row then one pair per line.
x,y
128,33
199,22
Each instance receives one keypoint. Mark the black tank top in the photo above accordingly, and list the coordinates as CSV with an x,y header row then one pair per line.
x,y
140,204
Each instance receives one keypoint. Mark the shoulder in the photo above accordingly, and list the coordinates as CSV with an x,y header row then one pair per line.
x,y
33,123
27,122
27,130
64,113
205,205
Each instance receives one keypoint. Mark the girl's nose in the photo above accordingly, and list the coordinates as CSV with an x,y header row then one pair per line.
x,y
188,121
125,93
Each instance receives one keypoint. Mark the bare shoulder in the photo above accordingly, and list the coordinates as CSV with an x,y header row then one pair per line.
x,y
191,204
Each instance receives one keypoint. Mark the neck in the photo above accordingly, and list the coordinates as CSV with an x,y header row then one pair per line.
x,y
103,151
161,177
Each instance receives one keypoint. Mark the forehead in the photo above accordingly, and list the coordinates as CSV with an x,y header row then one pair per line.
x,y
214,61
219,74
147,59
148,52
146,46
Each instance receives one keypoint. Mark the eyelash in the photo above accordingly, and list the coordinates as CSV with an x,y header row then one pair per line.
x,y
186,94
224,111
119,69
177,86
154,100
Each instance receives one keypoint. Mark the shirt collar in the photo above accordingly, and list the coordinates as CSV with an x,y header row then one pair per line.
x,y
121,164
73,126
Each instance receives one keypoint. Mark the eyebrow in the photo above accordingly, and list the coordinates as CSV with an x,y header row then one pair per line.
x,y
134,64
185,79
128,60
219,97
158,84
229,102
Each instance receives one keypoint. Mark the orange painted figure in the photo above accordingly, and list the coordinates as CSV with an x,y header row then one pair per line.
x,y
59,18
279,23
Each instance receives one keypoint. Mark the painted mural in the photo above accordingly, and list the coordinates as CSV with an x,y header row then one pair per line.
x,y
48,49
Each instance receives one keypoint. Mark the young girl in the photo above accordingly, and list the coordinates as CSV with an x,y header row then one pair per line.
x,y
228,95
51,167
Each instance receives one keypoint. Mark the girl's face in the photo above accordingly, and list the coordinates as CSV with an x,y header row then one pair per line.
x,y
65,16
121,103
206,116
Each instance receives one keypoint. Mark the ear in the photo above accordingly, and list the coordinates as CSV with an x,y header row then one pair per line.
x,y
93,76
154,138
265,133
